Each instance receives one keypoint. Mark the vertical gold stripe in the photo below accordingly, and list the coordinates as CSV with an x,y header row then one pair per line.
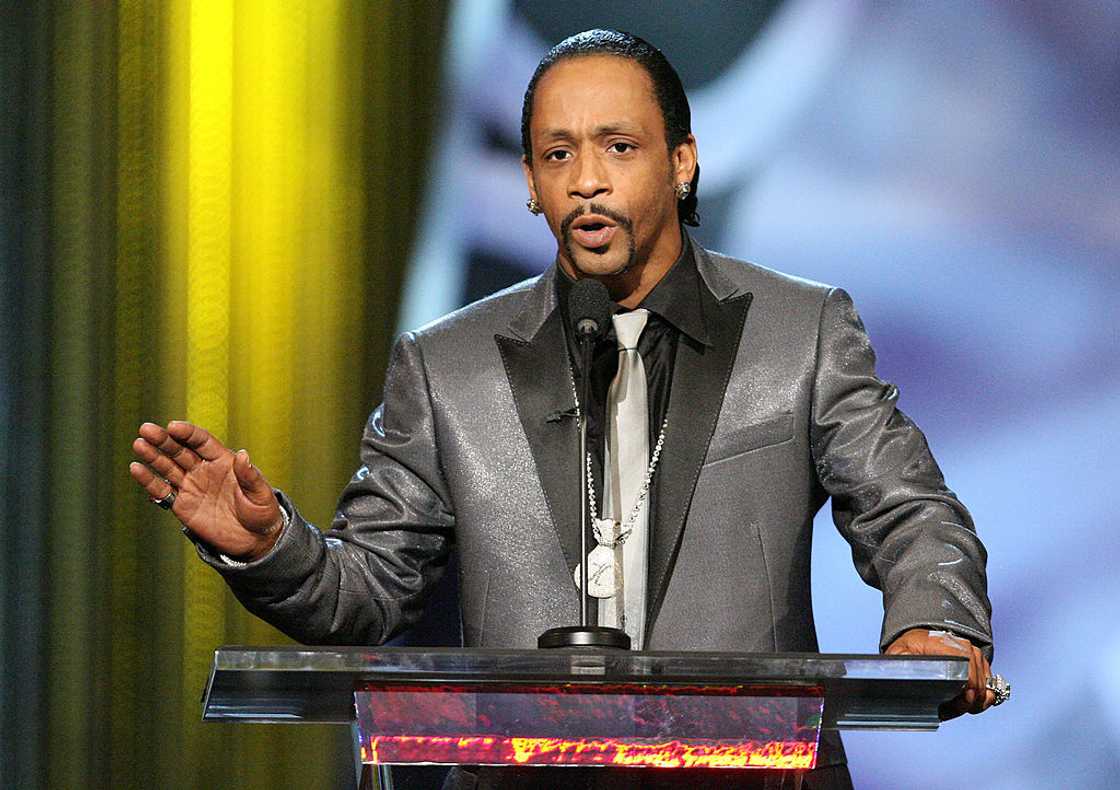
x,y
268,234
175,707
269,224
283,128
70,697
134,256
208,329
329,289
326,294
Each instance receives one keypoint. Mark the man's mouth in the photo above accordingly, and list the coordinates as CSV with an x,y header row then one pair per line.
x,y
593,231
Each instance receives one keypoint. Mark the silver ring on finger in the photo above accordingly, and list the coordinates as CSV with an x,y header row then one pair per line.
x,y
167,500
1000,687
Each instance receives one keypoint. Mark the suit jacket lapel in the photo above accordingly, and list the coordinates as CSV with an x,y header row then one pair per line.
x,y
700,376
535,357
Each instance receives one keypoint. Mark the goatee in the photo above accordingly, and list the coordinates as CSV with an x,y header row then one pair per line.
x,y
619,219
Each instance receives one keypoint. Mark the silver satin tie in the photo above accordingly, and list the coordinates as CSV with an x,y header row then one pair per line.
x,y
626,462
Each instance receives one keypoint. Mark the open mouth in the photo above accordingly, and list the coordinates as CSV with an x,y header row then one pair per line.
x,y
593,232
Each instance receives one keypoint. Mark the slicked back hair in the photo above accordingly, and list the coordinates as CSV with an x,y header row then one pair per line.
x,y
667,89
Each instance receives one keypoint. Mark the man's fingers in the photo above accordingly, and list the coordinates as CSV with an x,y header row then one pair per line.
x,y
977,696
167,468
161,439
974,697
987,697
156,487
970,698
252,482
196,438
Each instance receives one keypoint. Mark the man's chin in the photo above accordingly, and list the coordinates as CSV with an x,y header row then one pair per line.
x,y
591,264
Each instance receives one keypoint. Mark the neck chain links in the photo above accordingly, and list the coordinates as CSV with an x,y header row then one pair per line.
x,y
599,522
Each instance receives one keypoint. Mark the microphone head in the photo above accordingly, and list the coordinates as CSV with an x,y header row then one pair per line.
x,y
589,307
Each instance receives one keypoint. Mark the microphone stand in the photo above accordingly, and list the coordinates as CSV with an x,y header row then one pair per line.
x,y
585,634
585,339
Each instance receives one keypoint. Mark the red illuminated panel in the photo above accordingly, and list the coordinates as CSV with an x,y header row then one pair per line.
x,y
620,724
491,750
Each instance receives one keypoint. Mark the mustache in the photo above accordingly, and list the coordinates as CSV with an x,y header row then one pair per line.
x,y
594,208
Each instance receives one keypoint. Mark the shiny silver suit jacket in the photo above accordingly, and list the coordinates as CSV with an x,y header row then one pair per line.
x,y
781,411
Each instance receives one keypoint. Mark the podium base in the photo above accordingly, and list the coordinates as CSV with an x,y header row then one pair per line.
x,y
593,636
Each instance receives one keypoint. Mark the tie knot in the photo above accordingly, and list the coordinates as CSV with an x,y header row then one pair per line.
x,y
628,327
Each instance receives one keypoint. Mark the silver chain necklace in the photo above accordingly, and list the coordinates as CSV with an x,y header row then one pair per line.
x,y
610,534
627,525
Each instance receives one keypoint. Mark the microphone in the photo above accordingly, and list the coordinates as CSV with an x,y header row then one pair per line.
x,y
589,308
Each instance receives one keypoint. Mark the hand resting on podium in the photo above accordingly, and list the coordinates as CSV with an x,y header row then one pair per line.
x,y
976,697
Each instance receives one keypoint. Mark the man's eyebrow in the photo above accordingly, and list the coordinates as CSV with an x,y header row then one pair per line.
x,y
622,127
603,130
557,134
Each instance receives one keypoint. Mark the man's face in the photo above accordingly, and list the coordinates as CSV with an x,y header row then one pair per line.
x,y
601,167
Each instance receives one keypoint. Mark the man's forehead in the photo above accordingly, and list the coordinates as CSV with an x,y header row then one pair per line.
x,y
604,92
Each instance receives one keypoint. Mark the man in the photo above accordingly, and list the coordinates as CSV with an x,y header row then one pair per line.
x,y
758,397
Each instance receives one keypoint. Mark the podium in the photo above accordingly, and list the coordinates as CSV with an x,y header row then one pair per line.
x,y
663,710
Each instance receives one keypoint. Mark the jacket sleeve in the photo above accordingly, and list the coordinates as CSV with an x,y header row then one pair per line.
x,y
367,578
911,537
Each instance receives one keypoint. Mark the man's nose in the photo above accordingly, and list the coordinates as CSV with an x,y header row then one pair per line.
x,y
589,178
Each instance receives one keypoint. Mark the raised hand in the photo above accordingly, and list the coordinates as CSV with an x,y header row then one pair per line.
x,y
219,495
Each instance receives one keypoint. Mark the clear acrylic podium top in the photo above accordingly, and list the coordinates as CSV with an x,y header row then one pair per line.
x,y
317,684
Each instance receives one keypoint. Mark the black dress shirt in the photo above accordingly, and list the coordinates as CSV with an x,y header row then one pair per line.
x,y
675,315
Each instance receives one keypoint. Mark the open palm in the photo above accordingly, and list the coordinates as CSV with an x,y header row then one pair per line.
x,y
219,495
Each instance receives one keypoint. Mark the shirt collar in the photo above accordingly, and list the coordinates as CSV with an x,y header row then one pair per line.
x,y
675,299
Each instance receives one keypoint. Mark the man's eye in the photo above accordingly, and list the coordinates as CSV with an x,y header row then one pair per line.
x,y
621,148
556,156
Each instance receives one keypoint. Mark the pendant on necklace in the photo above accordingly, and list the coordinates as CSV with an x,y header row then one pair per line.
x,y
601,560
600,573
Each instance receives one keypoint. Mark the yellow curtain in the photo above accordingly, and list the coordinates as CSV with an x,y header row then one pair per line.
x,y
225,193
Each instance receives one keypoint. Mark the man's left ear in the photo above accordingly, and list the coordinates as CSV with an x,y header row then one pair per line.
x,y
528,173
684,160
532,203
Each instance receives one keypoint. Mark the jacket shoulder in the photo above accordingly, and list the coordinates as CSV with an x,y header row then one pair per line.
x,y
482,317
763,281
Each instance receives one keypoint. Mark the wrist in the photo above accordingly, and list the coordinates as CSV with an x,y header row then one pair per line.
x,y
266,542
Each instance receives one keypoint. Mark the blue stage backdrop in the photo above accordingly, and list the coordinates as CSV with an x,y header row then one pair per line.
x,y
954,165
